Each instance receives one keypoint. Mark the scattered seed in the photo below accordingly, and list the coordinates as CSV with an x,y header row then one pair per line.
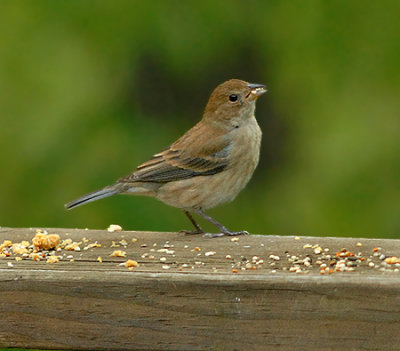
x,y
274,257
210,253
392,260
123,242
131,263
114,228
317,250
118,253
52,259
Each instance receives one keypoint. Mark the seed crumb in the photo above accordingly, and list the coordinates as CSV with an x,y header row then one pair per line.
x,y
114,228
118,253
274,257
210,253
52,259
131,263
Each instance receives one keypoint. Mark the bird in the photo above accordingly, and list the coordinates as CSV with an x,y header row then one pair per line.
x,y
206,167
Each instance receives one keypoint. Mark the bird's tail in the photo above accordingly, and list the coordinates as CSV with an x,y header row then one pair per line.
x,y
96,195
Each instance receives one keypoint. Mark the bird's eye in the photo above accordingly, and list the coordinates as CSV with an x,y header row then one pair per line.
x,y
233,98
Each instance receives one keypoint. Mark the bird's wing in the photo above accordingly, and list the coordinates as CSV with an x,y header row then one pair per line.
x,y
188,157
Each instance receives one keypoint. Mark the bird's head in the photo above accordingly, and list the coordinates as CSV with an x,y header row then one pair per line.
x,y
232,99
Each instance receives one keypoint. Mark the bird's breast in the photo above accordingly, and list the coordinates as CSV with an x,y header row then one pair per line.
x,y
246,142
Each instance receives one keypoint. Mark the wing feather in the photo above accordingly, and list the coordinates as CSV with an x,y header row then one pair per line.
x,y
179,162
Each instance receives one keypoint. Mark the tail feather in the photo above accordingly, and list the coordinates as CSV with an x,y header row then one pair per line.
x,y
96,195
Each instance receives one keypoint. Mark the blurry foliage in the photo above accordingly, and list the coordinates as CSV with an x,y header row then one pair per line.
x,y
89,89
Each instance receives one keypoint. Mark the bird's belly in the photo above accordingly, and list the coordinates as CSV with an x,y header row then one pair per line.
x,y
201,191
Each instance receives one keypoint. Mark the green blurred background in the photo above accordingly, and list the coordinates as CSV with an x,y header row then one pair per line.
x,y
89,89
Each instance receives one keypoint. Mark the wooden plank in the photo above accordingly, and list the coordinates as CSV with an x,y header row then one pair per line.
x,y
194,301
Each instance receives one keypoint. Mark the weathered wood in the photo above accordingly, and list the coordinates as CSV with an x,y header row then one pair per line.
x,y
194,301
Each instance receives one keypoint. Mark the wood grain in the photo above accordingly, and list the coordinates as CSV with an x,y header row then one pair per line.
x,y
198,303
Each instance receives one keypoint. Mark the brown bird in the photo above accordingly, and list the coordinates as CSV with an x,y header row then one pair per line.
x,y
209,165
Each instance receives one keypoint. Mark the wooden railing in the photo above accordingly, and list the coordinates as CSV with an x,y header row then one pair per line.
x,y
194,293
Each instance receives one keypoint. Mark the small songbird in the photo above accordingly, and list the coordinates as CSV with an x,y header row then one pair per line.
x,y
209,165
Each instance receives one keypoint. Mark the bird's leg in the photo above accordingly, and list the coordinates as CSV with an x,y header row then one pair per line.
x,y
198,228
222,228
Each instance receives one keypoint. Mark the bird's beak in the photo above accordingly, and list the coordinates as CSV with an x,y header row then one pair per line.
x,y
256,90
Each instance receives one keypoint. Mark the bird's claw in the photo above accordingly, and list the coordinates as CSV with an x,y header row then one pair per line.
x,y
242,232
191,232
229,233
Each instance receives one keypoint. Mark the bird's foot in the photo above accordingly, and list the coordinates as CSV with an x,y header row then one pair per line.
x,y
192,232
227,232
241,232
